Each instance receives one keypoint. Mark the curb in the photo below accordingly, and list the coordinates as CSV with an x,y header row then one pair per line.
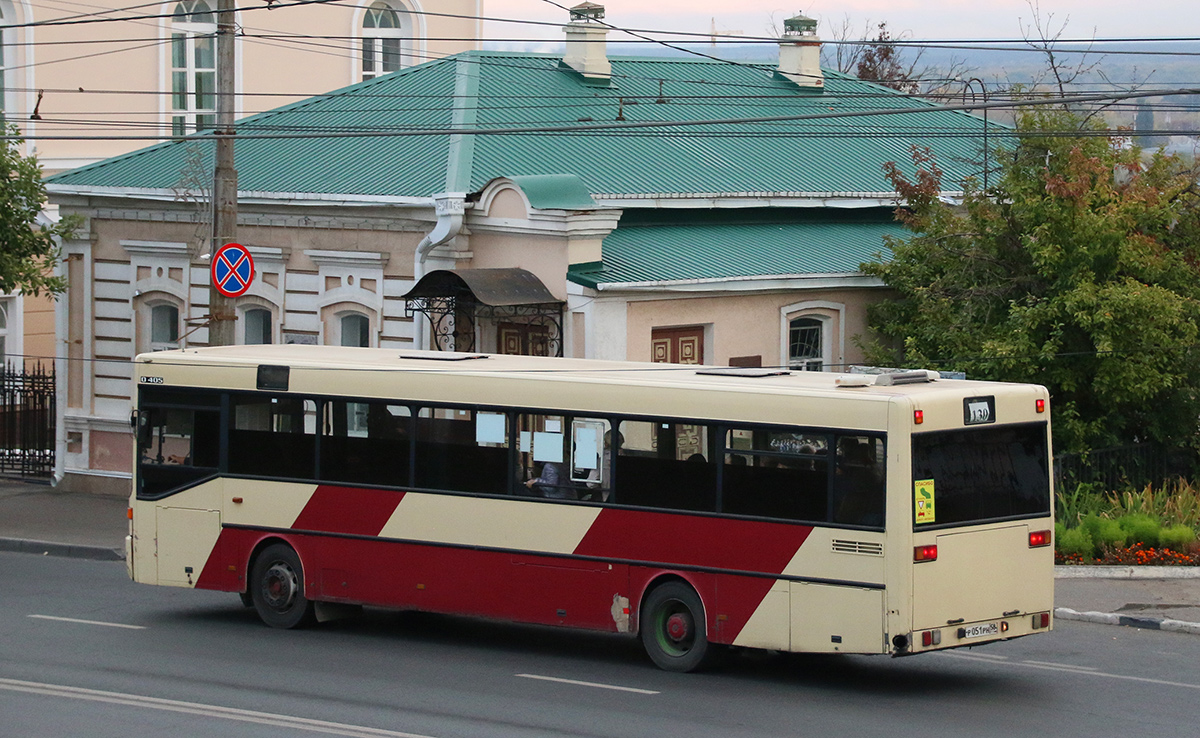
x,y
68,550
1108,618
1127,572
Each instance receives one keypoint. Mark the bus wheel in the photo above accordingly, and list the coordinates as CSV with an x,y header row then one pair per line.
x,y
672,628
277,589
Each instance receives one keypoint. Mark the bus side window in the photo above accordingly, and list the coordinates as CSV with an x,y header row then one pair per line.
x,y
366,443
461,450
858,484
272,436
666,465
776,474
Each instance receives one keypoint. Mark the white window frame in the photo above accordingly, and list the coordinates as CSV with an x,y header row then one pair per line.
x,y
154,307
833,348
345,315
375,38
191,117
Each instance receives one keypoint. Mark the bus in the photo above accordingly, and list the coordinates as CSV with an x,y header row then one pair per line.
x,y
693,507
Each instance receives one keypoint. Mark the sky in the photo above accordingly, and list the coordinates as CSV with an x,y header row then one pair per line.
x,y
917,19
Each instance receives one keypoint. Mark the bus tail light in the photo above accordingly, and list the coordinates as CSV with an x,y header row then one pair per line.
x,y
1039,538
1041,620
931,638
1040,405
129,513
925,553
918,417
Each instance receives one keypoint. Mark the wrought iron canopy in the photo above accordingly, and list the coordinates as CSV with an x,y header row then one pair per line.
x,y
456,300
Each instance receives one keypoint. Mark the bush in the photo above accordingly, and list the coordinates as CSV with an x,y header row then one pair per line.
x,y
1177,537
1104,532
1140,528
1076,541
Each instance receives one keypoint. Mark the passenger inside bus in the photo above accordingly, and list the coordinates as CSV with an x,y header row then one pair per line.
x,y
858,485
552,483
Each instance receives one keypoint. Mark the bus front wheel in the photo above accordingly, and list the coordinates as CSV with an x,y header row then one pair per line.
x,y
277,588
672,628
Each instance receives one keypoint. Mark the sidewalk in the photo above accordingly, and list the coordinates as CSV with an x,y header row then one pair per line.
x,y
35,518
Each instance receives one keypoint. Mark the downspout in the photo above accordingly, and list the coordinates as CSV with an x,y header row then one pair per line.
x,y
61,369
450,206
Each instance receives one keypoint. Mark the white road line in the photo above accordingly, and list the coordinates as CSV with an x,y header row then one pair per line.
x,y
975,656
1081,671
89,622
578,683
1061,666
195,708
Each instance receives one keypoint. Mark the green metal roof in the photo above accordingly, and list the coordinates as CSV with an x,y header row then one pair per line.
x,y
402,143
555,192
680,246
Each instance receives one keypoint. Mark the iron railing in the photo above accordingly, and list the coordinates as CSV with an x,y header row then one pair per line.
x,y
27,420
1120,467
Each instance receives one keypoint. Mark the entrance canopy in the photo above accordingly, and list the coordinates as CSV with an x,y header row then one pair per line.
x,y
461,304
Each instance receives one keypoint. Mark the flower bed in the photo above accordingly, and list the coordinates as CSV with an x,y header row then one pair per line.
x,y
1135,555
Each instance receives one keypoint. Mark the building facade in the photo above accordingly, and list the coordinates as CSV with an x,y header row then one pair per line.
x,y
575,205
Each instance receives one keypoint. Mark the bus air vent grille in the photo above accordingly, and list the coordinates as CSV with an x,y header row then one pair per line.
x,y
857,547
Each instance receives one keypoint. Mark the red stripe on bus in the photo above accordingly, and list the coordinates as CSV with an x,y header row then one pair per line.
x,y
348,510
715,543
693,541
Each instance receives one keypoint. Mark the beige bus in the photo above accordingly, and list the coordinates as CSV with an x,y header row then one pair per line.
x,y
694,507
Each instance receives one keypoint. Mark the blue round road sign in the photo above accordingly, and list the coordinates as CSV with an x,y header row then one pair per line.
x,y
232,270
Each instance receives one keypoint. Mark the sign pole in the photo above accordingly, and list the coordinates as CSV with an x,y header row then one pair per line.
x,y
221,311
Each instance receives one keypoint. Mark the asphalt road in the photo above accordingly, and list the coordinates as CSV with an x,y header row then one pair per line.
x,y
85,652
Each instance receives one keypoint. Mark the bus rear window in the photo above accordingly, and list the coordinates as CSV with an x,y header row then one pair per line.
x,y
980,474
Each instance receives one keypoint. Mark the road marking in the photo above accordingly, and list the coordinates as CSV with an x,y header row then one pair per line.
x,y
196,708
1061,666
1081,671
89,622
578,683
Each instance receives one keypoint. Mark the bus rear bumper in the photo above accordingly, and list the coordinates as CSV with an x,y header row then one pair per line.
x,y
959,635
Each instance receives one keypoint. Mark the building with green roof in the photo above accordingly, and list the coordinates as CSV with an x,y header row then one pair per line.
x,y
676,209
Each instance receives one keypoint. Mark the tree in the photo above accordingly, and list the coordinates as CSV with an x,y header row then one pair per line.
x,y
28,250
1079,270
880,62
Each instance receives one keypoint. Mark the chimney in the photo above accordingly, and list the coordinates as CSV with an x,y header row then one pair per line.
x,y
800,53
586,46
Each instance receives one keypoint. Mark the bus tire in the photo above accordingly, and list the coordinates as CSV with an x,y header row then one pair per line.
x,y
672,628
277,588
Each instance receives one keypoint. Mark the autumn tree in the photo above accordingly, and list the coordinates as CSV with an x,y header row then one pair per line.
x,y
880,62
28,249
1078,270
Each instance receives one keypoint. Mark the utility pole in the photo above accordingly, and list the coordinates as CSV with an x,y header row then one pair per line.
x,y
222,316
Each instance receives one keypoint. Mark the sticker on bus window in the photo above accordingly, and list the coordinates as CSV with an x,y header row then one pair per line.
x,y
923,497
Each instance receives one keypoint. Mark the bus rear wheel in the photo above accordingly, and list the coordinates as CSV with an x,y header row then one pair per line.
x,y
277,588
672,628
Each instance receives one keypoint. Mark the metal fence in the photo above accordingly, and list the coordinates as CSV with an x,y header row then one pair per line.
x,y
27,420
1120,467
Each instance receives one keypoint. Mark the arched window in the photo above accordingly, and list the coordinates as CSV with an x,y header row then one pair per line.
x,y
164,327
193,67
806,344
355,329
382,36
258,326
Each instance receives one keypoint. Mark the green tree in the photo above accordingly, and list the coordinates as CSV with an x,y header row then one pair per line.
x,y
1077,270
28,250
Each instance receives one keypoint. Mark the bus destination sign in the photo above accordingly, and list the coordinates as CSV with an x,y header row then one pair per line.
x,y
979,410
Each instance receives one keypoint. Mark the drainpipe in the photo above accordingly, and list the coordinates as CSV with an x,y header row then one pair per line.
x,y
450,208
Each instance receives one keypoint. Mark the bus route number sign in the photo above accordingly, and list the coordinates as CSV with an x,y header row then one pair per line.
x,y
232,270
979,410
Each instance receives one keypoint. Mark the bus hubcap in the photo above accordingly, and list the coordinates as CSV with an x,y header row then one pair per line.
x,y
678,627
280,587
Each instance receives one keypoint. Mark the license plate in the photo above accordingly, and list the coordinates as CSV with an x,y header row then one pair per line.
x,y
978,631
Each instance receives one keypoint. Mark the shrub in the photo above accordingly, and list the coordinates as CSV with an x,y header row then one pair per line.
x,y
1076,541
1104,532
1177,537
1081,500
1140,528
